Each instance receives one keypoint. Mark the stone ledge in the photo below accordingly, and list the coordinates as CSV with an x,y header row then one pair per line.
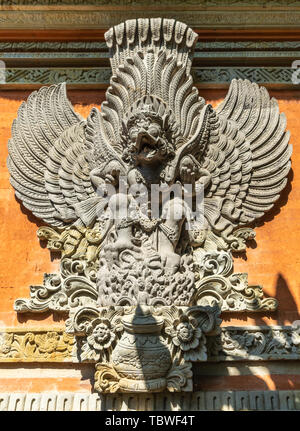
x,y
98,77
197,401
93,17
85,64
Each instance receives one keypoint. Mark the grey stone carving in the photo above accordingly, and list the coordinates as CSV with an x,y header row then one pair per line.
x,y
86,76
232,343
255,343
130,278
155,350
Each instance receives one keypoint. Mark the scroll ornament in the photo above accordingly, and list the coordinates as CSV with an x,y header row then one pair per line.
x,y
143,291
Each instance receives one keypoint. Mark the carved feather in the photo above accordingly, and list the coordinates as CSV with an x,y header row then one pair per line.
x,y
250,160
49,157
41,120
242,145
97,137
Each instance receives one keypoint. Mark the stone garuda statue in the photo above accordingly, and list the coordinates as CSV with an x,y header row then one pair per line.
x,y
143,288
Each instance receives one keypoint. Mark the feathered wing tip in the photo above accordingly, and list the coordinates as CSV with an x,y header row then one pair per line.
x,y
143,34
45,152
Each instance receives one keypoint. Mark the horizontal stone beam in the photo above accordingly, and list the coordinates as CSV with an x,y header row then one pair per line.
x,y
199,15
197,401
247,343
201,45
93,77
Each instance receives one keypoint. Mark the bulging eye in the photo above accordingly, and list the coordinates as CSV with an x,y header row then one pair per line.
x,y
133,134
154,131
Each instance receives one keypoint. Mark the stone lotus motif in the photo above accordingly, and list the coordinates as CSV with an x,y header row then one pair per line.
x,y
119,258
187,335
101,335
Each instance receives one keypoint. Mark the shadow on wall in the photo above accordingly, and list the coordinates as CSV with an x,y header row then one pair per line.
x,y
284,375
282,201
247,376
283,295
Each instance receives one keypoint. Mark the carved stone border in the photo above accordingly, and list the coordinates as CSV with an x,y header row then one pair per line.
x,y
102,17
123,3
36,345
252,343
50,63
78,77
197,401
101,47
248,343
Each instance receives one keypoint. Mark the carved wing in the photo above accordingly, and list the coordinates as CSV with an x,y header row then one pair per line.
x,y
50,158
103,139
241,147
248,157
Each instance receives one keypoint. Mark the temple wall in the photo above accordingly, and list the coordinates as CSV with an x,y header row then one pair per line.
x,y
273,262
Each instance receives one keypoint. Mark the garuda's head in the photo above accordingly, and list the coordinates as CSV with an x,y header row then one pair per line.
x,y
149,132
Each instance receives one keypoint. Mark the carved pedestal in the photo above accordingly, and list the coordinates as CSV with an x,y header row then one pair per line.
x,y
156,348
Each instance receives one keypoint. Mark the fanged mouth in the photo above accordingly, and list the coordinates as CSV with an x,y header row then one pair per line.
x,y
147,147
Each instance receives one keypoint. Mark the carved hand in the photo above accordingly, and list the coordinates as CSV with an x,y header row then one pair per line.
x,y
189,170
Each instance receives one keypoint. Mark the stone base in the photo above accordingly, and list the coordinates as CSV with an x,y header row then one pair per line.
x,y
197,401
154,385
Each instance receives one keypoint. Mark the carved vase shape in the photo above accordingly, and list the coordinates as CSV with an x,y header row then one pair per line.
x,y
141,357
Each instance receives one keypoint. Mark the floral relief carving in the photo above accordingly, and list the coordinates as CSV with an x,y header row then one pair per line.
x,y
186,334
255,343
32,346
102,334
228,344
